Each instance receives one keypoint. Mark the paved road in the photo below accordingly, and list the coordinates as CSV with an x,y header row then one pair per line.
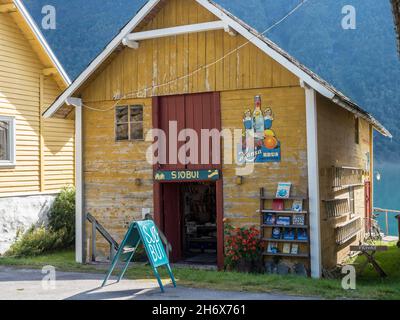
x,y
24,284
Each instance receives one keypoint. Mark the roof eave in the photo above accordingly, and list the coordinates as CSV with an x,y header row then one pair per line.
x,y
350,106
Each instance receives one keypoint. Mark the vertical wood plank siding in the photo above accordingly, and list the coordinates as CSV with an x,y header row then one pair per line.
x,y
159,61
110,167
337,148
20,70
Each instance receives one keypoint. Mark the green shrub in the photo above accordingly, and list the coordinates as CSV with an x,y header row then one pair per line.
x,y
62,216
59,234
35,242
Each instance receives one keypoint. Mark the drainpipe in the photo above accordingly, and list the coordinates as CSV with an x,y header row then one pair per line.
x,y
313,181
80,217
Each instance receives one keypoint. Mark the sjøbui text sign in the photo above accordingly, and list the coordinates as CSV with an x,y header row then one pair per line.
x,y
144,232
187,175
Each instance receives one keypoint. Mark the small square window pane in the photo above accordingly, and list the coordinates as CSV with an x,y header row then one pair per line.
x,y
121,114
137,131
4,140
122,132
136,113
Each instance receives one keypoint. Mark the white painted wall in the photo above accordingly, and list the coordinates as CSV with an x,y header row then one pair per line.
x,y
20,213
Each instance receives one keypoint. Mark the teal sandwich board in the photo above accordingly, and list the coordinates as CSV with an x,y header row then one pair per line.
x,y
147,233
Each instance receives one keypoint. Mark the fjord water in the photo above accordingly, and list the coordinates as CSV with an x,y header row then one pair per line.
x,y
387,193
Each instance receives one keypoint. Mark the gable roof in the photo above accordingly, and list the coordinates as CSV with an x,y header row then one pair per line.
x,y
39,44
255,37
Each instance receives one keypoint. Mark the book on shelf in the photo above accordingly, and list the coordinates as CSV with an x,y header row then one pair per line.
x,y
276,233
295,249
297,205
298,219
288,234
278,204
269,219
283,191
302,234
286,248
283,220
272,247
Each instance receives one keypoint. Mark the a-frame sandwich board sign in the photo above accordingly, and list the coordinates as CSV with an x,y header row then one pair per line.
x,y
147,233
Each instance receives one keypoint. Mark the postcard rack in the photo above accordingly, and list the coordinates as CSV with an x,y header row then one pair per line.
x,y
293,239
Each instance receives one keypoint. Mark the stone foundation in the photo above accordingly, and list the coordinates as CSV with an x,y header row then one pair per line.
x,y
20,213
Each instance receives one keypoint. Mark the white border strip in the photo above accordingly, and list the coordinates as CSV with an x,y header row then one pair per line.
x,y
80,217
313,181
79,214
176,31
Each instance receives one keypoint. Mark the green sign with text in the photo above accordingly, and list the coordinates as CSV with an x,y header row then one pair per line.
x,y
144,232
187,175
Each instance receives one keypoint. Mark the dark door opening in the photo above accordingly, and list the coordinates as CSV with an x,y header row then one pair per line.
x,y
190,221
199,215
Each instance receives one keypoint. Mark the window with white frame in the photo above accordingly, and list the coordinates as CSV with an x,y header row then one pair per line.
x,y
7,140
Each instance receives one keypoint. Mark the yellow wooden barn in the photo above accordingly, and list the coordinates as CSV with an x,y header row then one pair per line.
x,y
188,66
36,154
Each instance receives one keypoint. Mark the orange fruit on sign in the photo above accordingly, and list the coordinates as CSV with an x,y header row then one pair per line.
x,y
270,142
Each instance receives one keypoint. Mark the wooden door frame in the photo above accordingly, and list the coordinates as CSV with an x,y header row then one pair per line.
x,y
219,185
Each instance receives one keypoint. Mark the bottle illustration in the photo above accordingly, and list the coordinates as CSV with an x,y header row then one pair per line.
x,y
268,118
258,120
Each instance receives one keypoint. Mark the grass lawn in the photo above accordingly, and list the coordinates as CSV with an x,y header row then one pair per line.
x,y
369,285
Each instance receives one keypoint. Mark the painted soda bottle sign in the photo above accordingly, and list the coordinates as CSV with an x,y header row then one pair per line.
x,y
259,141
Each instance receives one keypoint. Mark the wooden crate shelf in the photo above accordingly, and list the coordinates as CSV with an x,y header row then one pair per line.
x,y
346,177
336,208
345,231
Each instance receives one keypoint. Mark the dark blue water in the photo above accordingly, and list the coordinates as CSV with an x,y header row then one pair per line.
x,y
387,193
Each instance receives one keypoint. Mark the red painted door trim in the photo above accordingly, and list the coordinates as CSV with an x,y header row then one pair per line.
x,y
158,187
172,219
157,203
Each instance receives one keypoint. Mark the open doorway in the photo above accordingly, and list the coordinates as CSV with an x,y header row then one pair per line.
x,y
199,217
189,221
